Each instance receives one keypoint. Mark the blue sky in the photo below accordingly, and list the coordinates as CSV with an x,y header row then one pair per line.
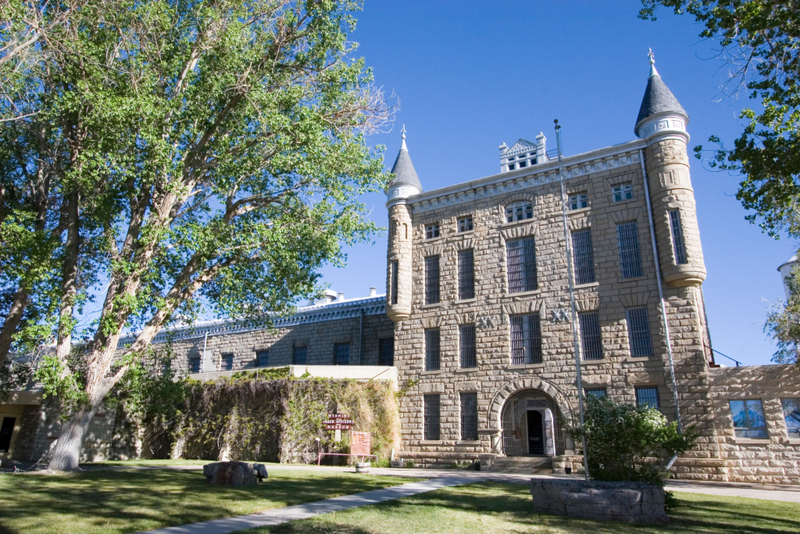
x,y
469,77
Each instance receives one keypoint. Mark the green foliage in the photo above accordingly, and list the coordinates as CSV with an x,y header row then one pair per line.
x,y
629,443
783,322
759,39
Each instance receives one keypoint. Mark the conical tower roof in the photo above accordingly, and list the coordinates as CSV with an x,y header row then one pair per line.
x,y
658,99
403,169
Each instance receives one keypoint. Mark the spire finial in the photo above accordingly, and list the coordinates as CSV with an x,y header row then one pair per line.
x,y
652,57
403,131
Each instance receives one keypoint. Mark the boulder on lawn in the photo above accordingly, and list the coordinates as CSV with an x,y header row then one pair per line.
x,y
234,473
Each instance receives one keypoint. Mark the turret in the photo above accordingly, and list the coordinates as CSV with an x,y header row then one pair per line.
x,y
398,276
662,123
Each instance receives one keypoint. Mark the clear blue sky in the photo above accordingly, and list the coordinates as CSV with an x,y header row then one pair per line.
x,y
472,74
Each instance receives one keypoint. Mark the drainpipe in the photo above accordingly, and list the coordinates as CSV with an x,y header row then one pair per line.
x,y
203,361
570,276
361,337
661,293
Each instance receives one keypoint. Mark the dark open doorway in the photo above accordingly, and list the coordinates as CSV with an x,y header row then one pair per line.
x,y
6,431
535,433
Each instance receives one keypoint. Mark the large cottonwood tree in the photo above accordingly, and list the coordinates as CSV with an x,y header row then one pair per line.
x,y
160,155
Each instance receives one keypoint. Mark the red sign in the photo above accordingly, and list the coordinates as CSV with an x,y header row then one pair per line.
x,y
338,421
360,443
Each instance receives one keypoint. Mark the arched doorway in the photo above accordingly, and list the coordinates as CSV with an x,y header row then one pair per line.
x,y
530,425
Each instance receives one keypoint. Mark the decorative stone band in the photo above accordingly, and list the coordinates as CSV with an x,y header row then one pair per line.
x,y
670,124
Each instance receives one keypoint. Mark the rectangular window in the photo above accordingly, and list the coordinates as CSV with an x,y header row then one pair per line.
x,y
432,349
519,211
465,224
578,201
466,335
341,353
431,230
630,258
521,265
226,363
469,416
748,419
431,279
194,365
583,256
647,396
466,274
597,393
431,413
299,355
639,332
791,414
622,192
262,358
526,339
395,273
677,237
591,342
386,351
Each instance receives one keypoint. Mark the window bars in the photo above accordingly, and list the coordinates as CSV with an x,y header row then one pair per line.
x,y
678,245
526,339
591,342
432,349
467,350
469,416
299,355
341,353
263,358
386,351
521,265
395,273
648,396
431,279
583,256
641,344
431,417
630,258
466,274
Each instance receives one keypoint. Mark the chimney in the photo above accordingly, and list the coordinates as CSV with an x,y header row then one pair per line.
x,y
373,291
340,297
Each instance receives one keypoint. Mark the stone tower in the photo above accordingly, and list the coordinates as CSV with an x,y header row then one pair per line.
x,y
662,123
399,269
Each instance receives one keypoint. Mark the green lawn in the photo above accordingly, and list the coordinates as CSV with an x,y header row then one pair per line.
x,y
120,500
506,508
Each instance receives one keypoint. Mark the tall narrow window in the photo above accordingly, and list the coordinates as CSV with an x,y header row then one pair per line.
x,y
467,350
583,256
526,339
299,355
194,365
432,349
431,416
226,364
466,274
521,265
395,273
431,279
386,351
678,245
630,258
341,353
639,332
469,416
648,396
748,419
262,358
591,342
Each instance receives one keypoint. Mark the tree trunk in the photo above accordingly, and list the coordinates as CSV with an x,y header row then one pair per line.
x,y
67,452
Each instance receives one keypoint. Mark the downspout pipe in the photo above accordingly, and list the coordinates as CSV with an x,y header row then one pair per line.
x,y
664,318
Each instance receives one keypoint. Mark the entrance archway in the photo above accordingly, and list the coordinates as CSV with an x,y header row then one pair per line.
x,y
530,425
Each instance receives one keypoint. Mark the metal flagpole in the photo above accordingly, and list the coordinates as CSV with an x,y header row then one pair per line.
x,y
570,275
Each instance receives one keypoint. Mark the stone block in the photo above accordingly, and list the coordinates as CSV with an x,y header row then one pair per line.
x,y
234,473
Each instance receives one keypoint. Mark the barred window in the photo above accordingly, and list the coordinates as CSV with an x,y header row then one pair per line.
x,y
466,274
748,419
386,351
431,230
467,350
469,416
791,414
526,339
591,342
431,279
519,211
194,365
262,358
630,258
678,245
622,192
597,393
583,256
432,349
521,265
431,416
648,396
465,223
639,332
395,273
226,363
341,353
299,355
578,201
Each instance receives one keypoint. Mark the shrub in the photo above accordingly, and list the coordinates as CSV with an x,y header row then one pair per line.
x,y
629,443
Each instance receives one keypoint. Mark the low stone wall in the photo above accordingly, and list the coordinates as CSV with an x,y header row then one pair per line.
x,y
627,502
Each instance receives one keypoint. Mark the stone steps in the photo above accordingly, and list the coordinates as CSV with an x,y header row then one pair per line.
x,y
532,465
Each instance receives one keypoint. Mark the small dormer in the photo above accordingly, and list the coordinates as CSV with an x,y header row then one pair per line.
x,y
523,154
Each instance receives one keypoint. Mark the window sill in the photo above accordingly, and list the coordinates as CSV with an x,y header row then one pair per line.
x,y
429,306
794,441
586,286
623,201
431,442
427,373
473,300
751,441
466,370
522,367
594,362
637,359
468,442
465,232
578,211
523,293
